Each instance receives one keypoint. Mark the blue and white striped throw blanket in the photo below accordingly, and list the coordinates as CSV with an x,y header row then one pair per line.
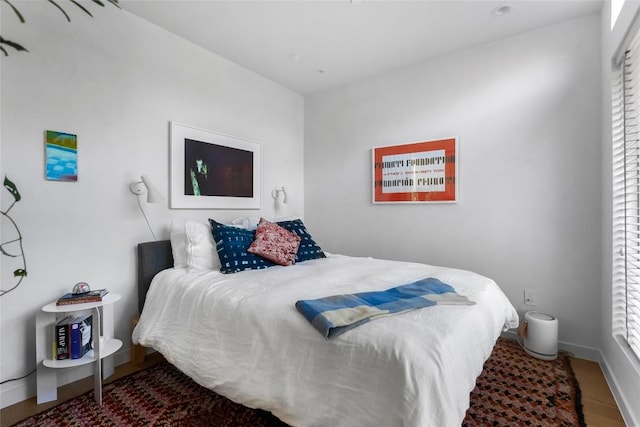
x,y
337,314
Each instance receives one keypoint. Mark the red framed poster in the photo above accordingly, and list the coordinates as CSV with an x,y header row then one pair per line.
x,y
420,172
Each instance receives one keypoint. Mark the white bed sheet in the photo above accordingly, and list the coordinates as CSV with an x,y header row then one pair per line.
x,y
241,336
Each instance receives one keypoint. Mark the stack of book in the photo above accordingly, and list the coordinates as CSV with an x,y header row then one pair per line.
x,y
72,337
83,298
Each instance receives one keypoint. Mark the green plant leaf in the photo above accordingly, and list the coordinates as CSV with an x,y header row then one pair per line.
x,y
14,45
81,7
16,11
20,273
60,9
12,189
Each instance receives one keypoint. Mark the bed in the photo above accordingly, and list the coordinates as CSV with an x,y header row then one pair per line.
x,y
241,336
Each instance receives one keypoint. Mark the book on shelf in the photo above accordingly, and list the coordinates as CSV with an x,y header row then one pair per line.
x,y
72,337
80,336
91,296
54,339
61,333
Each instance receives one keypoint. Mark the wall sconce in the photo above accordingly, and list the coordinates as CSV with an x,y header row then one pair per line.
x,y
153,196
280,198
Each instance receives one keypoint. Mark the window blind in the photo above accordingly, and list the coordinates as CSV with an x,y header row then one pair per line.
x,y
626,197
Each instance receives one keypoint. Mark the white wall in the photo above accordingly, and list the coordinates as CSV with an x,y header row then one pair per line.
x,y
116,81
620,367
526,111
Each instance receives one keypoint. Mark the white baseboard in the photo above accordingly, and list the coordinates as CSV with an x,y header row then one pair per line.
x,y
17,391
622,402
578,351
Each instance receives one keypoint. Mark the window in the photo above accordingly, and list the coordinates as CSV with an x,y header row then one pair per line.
x,y
626,197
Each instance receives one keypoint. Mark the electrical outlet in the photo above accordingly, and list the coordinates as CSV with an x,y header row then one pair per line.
x,y
529,297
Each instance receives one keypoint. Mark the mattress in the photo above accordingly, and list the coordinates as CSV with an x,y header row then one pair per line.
x,y
241,336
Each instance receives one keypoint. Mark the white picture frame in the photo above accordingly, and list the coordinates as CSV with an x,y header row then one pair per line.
x,y
211,170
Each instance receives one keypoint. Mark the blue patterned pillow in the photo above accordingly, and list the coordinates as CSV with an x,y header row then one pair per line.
x,y
308,248
232,244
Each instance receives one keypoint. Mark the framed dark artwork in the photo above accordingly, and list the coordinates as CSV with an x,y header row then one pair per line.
x,y
210,170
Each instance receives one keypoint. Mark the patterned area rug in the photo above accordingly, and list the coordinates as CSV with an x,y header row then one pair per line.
x,y
517,389
513,389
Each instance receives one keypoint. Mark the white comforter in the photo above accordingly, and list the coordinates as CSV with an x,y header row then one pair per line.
x,y
240,335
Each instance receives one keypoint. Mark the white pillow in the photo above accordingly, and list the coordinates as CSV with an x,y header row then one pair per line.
x,y
178,238
251,222
201,249
246,222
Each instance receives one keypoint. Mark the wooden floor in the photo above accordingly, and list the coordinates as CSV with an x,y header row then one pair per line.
x,y
600,409
598,405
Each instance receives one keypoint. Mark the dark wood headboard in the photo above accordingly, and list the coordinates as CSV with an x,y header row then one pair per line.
x,y
153,257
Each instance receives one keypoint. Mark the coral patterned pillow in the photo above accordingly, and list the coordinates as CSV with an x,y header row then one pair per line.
x,y
275,243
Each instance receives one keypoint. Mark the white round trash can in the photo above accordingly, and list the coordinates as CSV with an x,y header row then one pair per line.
x,y
541,340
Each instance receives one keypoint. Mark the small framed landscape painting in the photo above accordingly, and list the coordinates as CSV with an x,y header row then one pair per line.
x,y
420,172
61,156
210,170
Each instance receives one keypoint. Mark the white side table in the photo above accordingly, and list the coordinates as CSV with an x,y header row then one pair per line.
x,y
104,345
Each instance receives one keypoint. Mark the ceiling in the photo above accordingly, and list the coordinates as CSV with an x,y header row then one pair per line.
x,y
314,46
